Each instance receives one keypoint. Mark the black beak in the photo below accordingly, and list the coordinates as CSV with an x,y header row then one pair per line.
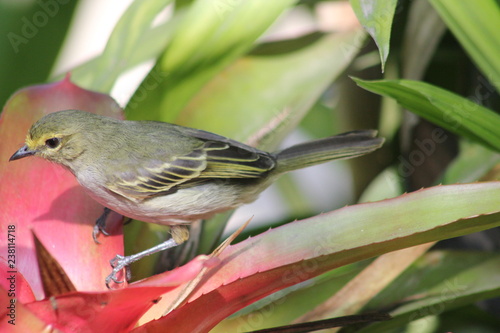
x,y
22,152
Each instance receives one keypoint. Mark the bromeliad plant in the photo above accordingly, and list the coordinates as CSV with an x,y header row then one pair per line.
x,y
209,67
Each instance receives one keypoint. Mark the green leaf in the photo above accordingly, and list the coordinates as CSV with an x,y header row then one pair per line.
x,y
307,248
423,33
475,25
479,320
443,108
388,184
32,34
438,282
132,41
210,36
376,17
265,91
472,163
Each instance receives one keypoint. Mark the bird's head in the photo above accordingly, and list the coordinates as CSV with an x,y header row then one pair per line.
x,y
56,137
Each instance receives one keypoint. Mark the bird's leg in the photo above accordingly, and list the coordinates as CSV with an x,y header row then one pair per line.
x,y
100,225
179,233
177,256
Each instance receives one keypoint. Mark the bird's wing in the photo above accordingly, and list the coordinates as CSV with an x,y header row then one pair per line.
x,y
214,159
225,160
156,177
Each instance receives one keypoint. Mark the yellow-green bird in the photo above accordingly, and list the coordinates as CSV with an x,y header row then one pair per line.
x,y
168,174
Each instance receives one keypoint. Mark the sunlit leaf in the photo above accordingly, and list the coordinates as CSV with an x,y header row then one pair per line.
x,y
132,41
210,35
307,248
277,90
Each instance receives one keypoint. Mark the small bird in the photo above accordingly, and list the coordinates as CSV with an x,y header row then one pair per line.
x,y
169,174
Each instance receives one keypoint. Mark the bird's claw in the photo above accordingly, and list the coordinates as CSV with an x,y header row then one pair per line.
x,y
98,230
118,263
100,226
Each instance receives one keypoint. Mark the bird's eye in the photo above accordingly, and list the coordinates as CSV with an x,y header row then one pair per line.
x,y
52,142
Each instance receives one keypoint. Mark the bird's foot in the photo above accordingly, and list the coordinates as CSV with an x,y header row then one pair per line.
x,y
119,263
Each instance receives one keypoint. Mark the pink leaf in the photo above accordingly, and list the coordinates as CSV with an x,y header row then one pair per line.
x,y
110,311
45,198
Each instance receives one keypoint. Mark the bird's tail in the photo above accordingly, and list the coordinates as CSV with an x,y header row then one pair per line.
x,y
342,146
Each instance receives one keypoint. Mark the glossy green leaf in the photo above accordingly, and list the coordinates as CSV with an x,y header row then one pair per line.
x,y
210,36
376,17
450,111
475,25
132,41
